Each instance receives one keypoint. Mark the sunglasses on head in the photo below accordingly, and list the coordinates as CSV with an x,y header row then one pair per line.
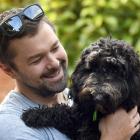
x,y
14,24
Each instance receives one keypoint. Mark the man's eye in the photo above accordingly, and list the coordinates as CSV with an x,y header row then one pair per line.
x,y
36,61
54,49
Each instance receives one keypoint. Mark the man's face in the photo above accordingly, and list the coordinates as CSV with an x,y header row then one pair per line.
x,y
41,62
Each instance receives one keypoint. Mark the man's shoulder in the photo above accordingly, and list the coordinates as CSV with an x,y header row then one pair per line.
x,y
12,127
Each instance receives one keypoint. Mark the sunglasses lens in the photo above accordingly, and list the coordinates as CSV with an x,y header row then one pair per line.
x,y
33,12
12,25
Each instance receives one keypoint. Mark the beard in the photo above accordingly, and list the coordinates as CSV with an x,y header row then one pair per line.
x,y
46,89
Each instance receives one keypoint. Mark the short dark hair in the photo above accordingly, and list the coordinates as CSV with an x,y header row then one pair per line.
x,y
30,29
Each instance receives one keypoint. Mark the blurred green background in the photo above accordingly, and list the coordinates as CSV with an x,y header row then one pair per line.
x,y
80,22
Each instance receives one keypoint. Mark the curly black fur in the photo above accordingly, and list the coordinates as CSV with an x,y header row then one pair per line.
x,y
107,77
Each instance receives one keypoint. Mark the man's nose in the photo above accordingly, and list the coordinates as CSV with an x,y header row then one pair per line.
x,y
52,62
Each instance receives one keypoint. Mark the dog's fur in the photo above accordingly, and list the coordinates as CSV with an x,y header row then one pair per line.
x,y
106,78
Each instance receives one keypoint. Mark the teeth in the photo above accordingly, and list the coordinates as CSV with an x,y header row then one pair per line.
x,y
54,74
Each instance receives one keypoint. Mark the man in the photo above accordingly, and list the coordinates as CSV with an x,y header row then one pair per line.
x,y
31,53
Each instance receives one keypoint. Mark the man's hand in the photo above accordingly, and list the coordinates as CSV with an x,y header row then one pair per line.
x,y
120,125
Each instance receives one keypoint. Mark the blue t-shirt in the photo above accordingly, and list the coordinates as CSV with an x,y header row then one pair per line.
x,y
13,128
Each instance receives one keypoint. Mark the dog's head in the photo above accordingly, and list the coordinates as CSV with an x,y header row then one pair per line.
x,y
107,75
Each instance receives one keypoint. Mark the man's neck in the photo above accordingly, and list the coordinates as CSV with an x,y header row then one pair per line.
x,y
49,101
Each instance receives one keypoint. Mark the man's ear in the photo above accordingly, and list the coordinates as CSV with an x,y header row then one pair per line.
x,y
7,69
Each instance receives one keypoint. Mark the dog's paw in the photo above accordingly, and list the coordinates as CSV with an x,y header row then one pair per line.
x,y
31,117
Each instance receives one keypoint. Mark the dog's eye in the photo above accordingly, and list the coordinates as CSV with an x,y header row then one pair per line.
x,y
111,60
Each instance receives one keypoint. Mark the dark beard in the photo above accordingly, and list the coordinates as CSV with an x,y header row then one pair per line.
x,y
43,92
46,91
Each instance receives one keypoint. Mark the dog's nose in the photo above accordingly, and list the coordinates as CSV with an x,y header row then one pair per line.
x,y
104,103
98,97
98,100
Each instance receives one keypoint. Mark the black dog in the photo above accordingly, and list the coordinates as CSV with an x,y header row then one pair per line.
x,y
106,78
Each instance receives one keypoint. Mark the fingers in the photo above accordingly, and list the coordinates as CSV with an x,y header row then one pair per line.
x,y
127,124
134,116
133,112
136,123
135,119
136,128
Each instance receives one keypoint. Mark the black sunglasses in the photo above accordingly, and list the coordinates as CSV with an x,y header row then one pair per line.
x,y
14,24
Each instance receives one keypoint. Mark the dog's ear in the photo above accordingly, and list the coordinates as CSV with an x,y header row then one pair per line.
x,y
134,87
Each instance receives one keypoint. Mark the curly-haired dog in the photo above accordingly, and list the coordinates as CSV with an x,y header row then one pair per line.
x,y
106,78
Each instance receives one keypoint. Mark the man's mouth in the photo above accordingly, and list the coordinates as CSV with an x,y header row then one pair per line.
x,y
54,76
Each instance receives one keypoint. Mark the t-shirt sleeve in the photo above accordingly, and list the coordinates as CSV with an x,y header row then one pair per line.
x,y
15,129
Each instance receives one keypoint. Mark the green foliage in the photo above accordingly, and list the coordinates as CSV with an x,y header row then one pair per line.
x,y
8,4
80,22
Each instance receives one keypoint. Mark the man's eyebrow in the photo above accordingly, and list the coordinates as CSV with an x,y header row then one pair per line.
x,y
40,54
34,56
55,43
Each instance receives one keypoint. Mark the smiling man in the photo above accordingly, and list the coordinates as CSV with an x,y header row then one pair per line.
x,y
31,53
40,65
